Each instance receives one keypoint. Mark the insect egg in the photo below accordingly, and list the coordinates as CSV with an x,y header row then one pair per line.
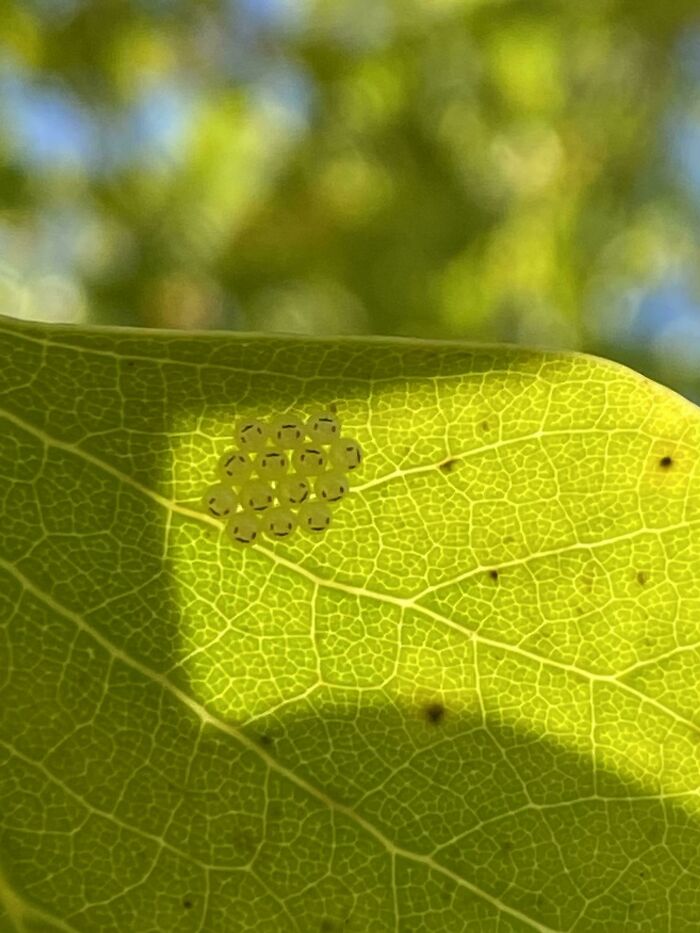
x,y
309,461
346,454
332,486
256,495
272,464
323,427
287,432
220,501
235,466
279,522
252,435
292,490
244,528
314,516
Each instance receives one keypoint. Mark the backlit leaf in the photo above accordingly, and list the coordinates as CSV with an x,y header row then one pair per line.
x,y
470,704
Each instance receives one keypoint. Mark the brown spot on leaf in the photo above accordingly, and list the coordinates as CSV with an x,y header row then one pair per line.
x,y
449,465
333,408
435,713
485,425
641,577
187,904
265,741
493,574
666,463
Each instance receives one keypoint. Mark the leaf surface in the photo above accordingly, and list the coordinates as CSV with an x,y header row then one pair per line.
x,y
471,704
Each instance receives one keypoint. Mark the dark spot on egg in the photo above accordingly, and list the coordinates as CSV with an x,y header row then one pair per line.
x,y
493,574
641,577
435,713
666,462
449,465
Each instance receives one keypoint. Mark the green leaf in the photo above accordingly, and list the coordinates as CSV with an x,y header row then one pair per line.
x,y
471,704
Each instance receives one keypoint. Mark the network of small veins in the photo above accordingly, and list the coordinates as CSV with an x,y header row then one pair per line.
x,y
325,525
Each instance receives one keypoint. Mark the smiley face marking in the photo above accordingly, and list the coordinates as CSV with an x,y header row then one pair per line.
x,y
288,473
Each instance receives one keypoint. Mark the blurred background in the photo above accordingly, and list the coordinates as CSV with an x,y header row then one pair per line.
x,y
494,170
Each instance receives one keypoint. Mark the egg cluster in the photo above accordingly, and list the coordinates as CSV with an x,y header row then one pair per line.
x,y
281,476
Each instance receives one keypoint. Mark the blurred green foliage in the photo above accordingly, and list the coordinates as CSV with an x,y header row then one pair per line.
x,y
514,171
